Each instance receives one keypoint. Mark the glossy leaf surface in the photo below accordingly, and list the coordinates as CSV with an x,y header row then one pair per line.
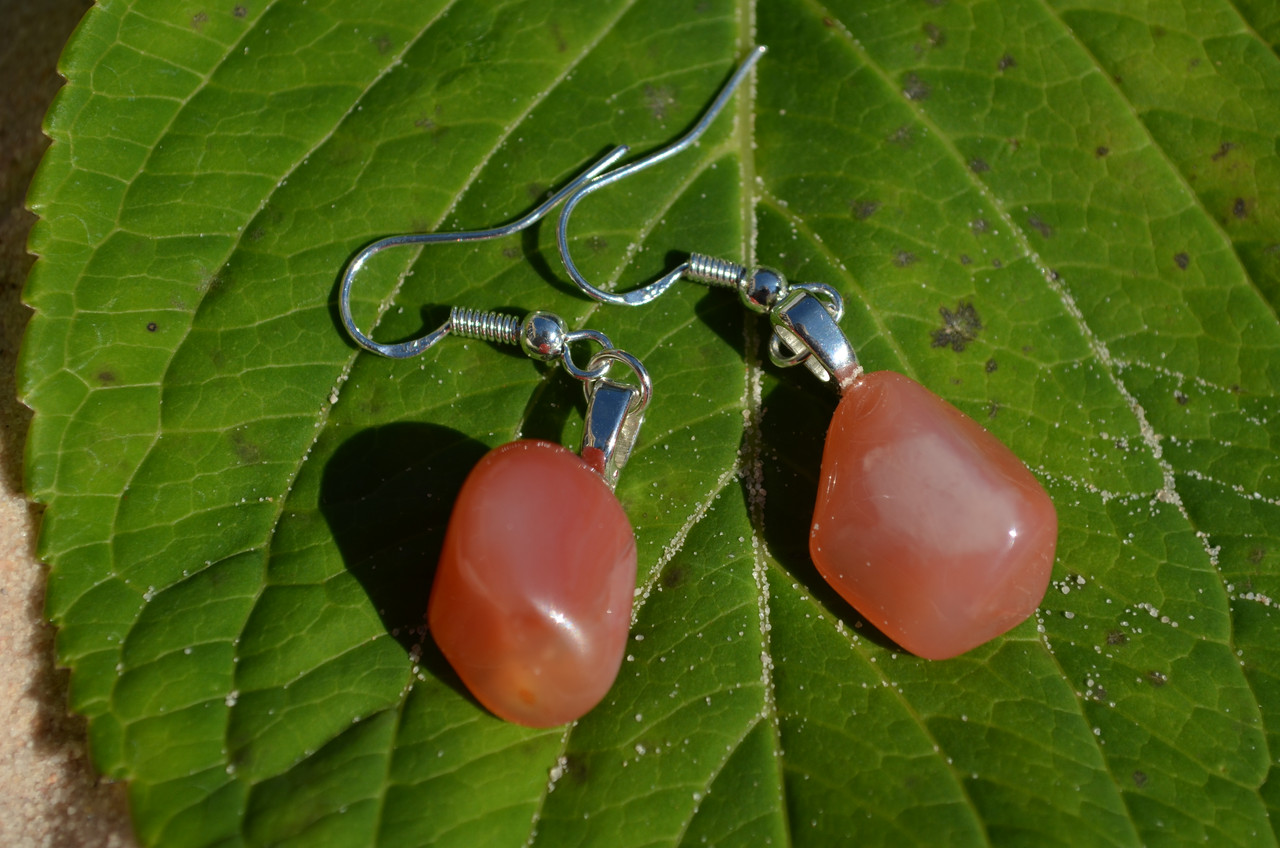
x,y
1060,216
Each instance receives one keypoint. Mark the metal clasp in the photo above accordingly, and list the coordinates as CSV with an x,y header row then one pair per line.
x,y
804,324
615,412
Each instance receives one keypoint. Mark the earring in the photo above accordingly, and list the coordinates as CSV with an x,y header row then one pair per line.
x,y
925,523
531,602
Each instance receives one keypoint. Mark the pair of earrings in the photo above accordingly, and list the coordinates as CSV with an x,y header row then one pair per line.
x,y
925,523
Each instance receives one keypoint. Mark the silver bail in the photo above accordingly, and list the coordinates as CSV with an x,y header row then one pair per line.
x,y
802,323
614,415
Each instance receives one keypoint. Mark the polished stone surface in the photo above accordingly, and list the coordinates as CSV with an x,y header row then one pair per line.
x,y
532,599
926,523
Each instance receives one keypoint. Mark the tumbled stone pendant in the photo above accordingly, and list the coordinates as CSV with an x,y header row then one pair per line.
x,y
532,598
926,523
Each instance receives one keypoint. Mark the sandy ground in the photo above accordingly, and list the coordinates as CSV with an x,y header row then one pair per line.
x,y
49,794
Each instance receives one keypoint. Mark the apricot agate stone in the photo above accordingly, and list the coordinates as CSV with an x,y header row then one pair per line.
x,y
532,598
926,523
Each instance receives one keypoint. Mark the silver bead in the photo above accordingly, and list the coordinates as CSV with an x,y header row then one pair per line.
x,y
762,288
542,336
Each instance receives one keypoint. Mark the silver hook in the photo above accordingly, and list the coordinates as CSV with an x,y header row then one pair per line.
x,y
615,410
648,292
805,316
413,347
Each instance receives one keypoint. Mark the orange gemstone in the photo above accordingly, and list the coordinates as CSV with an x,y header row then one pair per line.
x,y
532,599
926,523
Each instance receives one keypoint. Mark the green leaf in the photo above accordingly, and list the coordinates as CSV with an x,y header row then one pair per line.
x,y
244,510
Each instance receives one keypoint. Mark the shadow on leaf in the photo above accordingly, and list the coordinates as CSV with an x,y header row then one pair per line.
x,y
387,494
793,432
721,311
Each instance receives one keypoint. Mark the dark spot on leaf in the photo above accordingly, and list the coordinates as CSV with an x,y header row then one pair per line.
x,y
1180,398
827,22
198,20
958,328
1013,143
597,244
965,260
1038,224
979,226
558,36
246,451
1223,149
152,326
536,191
1054,275
1240,209
575,768
1157,31
1157,678
1182,260
511,252
992,365
993,409
979,166
256,234
1257,555
674,576
430,124
1099,693
106,378
1139,779
239,11
658,99
902,137
1102,151
903,258
1193,64
1006,62
997,263
864,209
914,88
382,43
934,33
1115,637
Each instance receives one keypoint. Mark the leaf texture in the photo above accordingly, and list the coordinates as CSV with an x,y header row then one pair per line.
x,y
244,510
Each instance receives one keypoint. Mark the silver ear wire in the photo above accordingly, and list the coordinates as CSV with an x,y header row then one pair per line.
x,y
648,292
413,347
804,316
615,410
